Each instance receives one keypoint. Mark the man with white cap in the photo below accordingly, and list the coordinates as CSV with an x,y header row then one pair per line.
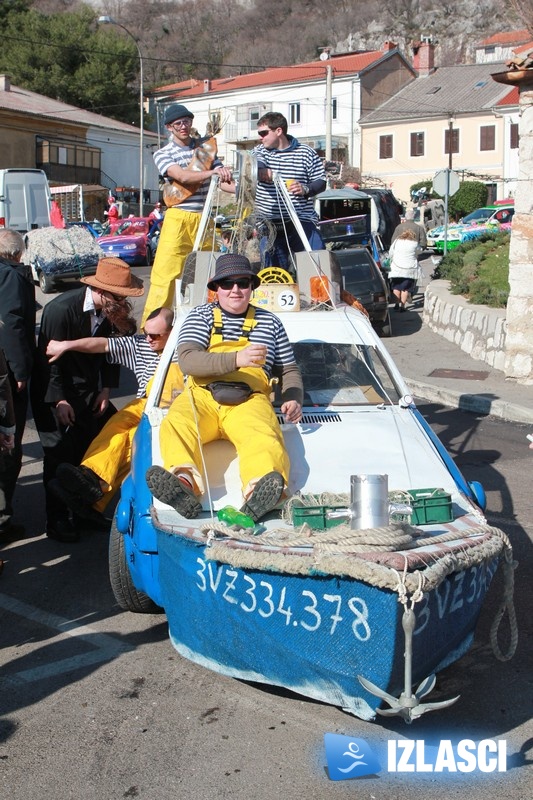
x,y
229,350
70,397
182,220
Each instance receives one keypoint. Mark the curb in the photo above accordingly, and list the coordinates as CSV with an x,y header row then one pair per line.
x,y
475,403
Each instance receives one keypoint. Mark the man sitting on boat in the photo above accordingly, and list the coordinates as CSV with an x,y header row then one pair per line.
x,y
229,350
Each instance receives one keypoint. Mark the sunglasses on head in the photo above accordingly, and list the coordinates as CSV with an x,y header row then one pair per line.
x,y
229,283
264,133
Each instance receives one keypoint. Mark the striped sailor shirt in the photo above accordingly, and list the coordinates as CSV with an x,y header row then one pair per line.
x,y
297,162
135,353
269,330
172,154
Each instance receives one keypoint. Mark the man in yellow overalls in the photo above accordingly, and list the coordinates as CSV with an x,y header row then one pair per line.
x,y
229,350
87,489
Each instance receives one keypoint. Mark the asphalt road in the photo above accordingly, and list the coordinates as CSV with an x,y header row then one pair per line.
x,y
95,702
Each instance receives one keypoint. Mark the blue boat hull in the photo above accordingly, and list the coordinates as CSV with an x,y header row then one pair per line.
x,y
311,634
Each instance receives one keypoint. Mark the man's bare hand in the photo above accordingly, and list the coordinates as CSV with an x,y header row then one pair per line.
x,y
7,442
224,174
101,403
55,349
252,356
292,411
65,414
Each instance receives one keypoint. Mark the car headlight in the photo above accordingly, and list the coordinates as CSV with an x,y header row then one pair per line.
x,y
129,247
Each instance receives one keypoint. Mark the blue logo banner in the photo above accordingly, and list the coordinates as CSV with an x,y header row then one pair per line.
x,y
348,757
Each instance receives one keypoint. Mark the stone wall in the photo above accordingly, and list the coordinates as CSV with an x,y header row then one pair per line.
x,y
478,330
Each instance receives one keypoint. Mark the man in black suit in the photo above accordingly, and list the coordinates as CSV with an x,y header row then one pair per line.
x,y
17,340
70,397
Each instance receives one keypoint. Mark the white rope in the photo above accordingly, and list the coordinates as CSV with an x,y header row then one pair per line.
x,y
506,604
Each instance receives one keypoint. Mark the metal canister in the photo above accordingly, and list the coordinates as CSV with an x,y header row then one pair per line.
x,y
369,501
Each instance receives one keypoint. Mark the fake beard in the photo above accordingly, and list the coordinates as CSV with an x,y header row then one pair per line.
x,y
119,315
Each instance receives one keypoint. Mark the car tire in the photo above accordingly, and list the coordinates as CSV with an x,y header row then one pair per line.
x,y
127,596
46,283
149,257
385,327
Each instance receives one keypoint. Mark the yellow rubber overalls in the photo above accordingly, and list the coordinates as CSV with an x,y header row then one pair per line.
x,y
109,454
252,426
176,241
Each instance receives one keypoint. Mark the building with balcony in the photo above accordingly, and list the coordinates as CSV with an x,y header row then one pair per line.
x,y
359,83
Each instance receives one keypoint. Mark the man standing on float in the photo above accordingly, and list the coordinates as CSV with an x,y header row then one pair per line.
x,y
181,221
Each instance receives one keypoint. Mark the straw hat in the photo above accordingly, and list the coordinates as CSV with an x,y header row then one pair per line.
x,y
114,275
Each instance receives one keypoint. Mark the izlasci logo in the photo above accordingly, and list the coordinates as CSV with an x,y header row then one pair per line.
x,y
349,757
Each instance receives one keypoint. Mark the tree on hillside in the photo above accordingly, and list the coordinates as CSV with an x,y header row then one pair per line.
x,y
66,57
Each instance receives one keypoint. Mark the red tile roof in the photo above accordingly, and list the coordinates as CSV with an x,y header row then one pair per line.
x,y
524,48
348,64
507,38
510,99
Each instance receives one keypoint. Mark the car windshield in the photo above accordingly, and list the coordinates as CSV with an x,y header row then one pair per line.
x,y
132,228
478,214
343,375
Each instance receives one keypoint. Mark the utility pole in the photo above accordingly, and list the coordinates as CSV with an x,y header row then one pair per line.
x,y
324,56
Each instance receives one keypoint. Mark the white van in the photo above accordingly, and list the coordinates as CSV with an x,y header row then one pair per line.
x,y
430,215
24,199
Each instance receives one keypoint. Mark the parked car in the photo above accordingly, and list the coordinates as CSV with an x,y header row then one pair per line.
x,y
496,212
95,228
59,255
363,278
135,241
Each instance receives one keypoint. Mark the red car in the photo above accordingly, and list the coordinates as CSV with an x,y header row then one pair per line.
x,y
133,239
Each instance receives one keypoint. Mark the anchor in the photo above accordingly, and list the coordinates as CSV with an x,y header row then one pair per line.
x,y
407,705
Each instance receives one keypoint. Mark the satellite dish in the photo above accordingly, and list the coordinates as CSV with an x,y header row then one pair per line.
x,y
324,55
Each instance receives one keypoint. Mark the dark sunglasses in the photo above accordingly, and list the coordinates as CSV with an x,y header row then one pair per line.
x,y
241,283
262,134
154,336
118,298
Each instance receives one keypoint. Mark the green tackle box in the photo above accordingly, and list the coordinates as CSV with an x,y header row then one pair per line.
x,y
430,506
315,517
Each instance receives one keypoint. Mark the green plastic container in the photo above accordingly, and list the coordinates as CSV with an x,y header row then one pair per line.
x,y
430,506
315,517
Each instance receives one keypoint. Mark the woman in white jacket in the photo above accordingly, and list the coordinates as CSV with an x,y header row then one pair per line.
x,y
404,269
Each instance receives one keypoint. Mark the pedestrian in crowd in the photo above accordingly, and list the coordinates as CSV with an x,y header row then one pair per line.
x,y
17,340
156,213
183,162
7,421
409,224
229,350
225,244
87,489
70,398
404,268
303,171
7,412
112,213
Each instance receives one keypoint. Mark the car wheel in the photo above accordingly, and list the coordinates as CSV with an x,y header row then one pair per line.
x,y
385,327
149,257
126,595
46,284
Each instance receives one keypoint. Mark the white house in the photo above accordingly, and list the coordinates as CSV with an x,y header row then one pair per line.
x,y
359,83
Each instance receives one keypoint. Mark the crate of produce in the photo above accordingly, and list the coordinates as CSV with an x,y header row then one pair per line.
x,y
430,506
317,516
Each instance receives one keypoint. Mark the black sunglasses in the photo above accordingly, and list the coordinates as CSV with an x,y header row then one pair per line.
x,y
154,336
242,283
262,134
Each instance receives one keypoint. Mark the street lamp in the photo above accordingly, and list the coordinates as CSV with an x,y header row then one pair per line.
x,y
110,21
